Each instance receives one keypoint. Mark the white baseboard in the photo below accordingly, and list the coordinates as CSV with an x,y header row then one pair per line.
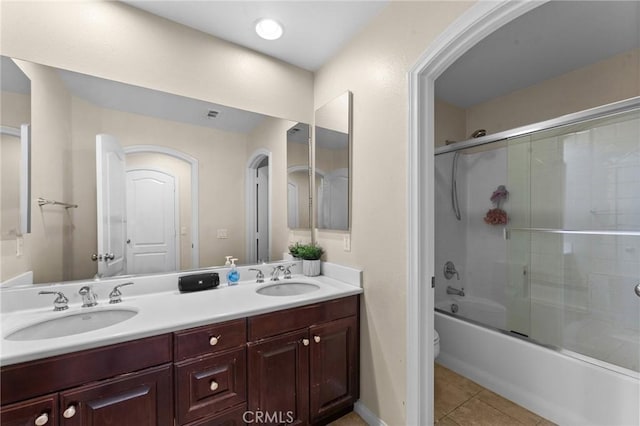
x,y
367,415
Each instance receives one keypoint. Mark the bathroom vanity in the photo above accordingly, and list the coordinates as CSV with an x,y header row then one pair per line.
x,y
294,360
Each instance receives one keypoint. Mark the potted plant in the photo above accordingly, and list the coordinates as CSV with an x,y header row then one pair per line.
x,y
310,255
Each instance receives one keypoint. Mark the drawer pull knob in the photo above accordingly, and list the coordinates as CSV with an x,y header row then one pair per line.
x,y
42,419
214,340
69,412
305,342
213,385
316,339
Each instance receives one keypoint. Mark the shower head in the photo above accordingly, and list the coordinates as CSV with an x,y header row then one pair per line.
x,y
478,133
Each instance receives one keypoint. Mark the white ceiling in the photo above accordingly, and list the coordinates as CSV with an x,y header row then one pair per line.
x,y
549,41
314,31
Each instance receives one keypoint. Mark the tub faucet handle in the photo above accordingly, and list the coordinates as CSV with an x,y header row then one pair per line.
x,y
450,271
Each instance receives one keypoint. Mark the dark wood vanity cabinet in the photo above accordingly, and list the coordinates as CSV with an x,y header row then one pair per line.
x,y
297,366
308,375
112,385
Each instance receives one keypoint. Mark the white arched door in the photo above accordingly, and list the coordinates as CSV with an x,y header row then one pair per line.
x,y
151,222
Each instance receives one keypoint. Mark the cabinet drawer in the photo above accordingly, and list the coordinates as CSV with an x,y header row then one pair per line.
x,y
271,324
210,384
231,417
44,410
210,339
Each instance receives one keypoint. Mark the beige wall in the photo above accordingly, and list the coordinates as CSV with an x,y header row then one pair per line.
x,y
607,81
450,123
610,80
374,67
115,41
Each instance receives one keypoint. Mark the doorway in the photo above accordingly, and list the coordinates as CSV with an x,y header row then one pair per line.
x,y
258,199
477,22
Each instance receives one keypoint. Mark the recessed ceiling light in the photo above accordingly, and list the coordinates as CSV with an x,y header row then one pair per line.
x,y
269,29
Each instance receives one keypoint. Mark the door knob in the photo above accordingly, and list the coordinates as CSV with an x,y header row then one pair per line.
x,y
637,289
42,419
109,256
214,340
96,256
69,412
316,339
213,385
305,342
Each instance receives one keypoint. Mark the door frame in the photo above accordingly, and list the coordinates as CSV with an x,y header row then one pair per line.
x,y
480,20
250,200
176,208
195,173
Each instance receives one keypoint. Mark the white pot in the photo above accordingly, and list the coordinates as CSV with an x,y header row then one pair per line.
x,y
311,268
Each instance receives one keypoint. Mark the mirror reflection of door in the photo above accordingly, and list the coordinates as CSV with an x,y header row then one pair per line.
x,y
334,189
292,205
262,211
152,221
111,205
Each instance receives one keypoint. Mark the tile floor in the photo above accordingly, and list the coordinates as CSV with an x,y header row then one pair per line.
x,y
460,402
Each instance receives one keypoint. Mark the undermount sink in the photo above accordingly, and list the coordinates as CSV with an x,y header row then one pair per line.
x,y
76,323
292,288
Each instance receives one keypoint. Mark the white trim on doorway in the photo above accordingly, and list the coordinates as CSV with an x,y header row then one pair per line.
x,y
477,22
193,162
250,190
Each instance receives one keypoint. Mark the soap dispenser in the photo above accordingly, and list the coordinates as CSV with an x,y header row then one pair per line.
x,y
233,276
228,261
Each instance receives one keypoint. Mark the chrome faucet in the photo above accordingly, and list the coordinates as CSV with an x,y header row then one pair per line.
x,y
61,302
275,272
259,275
116,296
453,290
89,298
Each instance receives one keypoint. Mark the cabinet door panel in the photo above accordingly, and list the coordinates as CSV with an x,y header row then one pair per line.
x,y
231,417
211,384
43,409
333,367
139,399
279,379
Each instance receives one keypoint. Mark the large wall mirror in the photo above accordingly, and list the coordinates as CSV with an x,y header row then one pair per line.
x,y
138,181
332,163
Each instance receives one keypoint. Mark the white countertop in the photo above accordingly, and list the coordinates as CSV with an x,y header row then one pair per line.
x,y
159,312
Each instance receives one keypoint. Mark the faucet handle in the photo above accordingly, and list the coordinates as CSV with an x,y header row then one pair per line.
x,y
116,296
287,271
61,303
259,275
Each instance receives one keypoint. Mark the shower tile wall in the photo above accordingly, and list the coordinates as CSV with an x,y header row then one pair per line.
x,y
582,285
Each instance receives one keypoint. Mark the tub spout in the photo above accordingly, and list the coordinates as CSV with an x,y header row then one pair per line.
x,y
453,290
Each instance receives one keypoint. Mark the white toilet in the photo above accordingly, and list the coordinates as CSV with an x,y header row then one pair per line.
x,y
436,344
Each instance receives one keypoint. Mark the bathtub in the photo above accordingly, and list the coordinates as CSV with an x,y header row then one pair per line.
x,y
484,311
563,389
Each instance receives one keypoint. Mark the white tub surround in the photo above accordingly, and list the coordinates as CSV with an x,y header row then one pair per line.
x,y
558,387
161,307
